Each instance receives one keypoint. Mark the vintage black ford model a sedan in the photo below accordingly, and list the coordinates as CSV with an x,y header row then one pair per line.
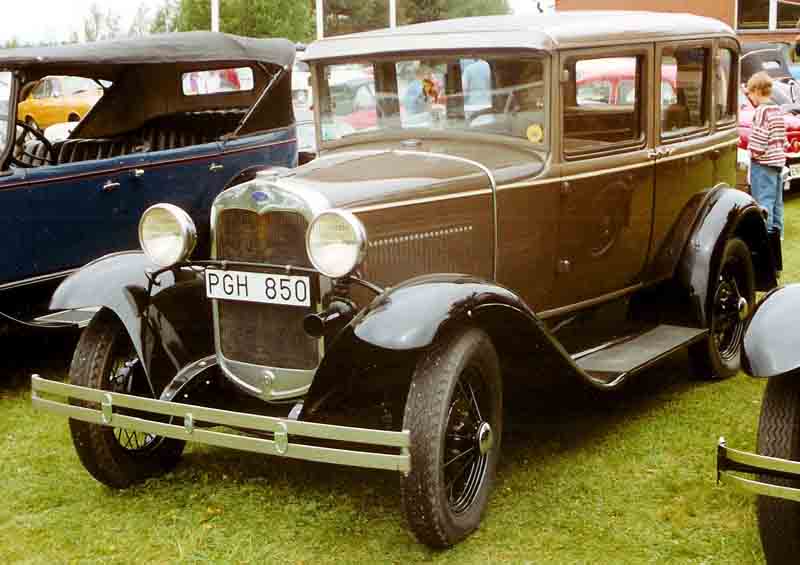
x,y
480,213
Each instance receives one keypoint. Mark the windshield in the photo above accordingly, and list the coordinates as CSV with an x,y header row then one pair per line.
x,y
5,102
502,95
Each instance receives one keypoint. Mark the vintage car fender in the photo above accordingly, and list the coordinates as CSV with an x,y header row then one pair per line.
x,y
724,213
404,320
771,340
169,322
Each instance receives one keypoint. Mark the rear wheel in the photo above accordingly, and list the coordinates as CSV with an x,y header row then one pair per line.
x,y
731,296
105,359
454,414
779,436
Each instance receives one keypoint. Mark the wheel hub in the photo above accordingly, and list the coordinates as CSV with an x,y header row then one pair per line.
x,y
485,437
743,308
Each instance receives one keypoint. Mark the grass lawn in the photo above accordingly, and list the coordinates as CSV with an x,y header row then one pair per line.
x,y
584,478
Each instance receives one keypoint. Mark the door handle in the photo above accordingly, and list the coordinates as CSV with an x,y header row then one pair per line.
x,y
110,186
138,173
214,167
716,154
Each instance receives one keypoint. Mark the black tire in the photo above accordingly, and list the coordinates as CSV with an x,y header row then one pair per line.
x,y
455,395
73,118
779,436
719,356
113,456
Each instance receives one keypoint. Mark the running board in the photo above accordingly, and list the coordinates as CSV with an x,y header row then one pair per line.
x,y
607,366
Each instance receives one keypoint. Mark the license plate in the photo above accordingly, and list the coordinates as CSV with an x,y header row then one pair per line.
x,y
266,288
794,171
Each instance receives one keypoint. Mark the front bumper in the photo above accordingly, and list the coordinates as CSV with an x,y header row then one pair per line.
x,y
732,460
278,443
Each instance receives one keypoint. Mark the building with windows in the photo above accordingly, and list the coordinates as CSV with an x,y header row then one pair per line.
x,y
754,20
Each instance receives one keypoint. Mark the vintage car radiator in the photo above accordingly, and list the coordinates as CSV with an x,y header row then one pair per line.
x,y
265,334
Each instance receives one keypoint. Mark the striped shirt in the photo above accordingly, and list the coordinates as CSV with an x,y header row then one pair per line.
x,y
768,136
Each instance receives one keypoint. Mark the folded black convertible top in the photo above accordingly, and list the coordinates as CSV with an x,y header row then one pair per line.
x,y
107,59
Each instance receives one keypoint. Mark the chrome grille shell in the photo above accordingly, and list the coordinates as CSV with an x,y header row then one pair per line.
x,y
271,381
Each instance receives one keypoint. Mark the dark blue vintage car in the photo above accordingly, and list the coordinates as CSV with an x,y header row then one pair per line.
x,y
179,117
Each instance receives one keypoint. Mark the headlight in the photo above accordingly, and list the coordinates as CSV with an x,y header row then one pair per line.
x,y
336,243
167,234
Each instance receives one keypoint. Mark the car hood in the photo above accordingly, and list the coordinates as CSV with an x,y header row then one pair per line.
x,y
364,178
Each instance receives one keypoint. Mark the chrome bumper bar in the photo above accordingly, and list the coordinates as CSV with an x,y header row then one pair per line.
x,y
282,429
732,460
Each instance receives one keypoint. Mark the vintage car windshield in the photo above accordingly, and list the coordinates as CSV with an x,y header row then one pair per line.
x,y
5,96
500,95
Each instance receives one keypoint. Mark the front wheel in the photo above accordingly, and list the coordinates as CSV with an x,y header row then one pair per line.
x,y
779,436
732,294
106,360
454,414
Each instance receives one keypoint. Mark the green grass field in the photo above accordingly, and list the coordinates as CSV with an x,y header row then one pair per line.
x,y
584,478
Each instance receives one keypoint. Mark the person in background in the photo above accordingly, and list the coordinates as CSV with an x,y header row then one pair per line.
x,y
767,158
476,84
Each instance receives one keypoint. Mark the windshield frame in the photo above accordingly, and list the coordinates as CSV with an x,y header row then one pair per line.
x,y
541,149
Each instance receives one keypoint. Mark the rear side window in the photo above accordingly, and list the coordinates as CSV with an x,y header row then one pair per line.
x,y
684,69
725,96
603,104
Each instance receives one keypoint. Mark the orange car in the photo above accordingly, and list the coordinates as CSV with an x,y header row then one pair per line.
x,y
57,99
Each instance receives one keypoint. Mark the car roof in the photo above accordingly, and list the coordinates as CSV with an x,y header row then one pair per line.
x,y
107,59
540,32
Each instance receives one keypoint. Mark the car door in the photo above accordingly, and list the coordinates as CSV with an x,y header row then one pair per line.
x,y
80,212
189,177
685,140
17,226
606,190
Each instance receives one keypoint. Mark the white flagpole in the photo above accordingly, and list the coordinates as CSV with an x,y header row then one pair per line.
x,y
392,13
214,15
320,20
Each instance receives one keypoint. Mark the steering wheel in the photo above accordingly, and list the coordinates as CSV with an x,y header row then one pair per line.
x,y
39,135
511,107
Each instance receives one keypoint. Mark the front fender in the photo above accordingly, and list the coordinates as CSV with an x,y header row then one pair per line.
x,y
411,315
403,321
169,323
771,340
725,213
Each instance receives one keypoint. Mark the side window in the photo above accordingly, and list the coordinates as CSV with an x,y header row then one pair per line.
x,y
684,68
725,85
39,90
594,119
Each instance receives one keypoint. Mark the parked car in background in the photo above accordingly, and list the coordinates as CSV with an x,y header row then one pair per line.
x,y
372,307
56,99
772,351
176,124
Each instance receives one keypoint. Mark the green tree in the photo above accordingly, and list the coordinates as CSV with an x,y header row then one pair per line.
x,y
166,17
414,11
253,18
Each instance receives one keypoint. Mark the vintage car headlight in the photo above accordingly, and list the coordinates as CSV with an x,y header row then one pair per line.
x,y
336,241
167,234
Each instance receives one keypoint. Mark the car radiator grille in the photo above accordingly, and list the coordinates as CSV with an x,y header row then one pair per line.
x,y
265,334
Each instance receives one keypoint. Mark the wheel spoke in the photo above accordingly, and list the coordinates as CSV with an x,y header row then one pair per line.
x,y
475,402
460,472
460,455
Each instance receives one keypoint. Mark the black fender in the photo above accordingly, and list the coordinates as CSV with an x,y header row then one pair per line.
x,y
724,213
405,320
169,323
771,340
